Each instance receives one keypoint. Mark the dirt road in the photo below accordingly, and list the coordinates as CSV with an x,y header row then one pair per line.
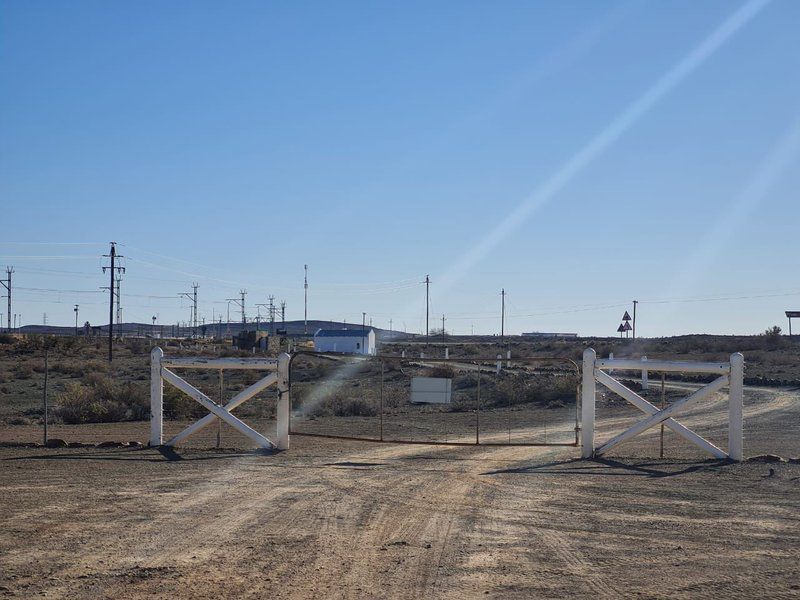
x,y
356,520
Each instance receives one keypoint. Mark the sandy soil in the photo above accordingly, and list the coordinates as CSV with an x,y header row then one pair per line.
x,y
359,520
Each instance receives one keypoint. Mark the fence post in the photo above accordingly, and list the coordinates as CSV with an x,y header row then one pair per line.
x,y
508,359
645,384
587,403
735,408
284,404
156,398
499,365
447,353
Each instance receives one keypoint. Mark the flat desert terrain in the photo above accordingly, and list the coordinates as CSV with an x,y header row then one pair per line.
x,y
344,519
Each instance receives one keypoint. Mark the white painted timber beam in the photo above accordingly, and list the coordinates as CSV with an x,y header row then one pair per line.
x,y
588,389
237,400
252,364
649,409
735,408
216,409
663,415
630,364
156,398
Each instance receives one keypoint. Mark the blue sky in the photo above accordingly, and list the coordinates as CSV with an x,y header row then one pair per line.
x,y
229,143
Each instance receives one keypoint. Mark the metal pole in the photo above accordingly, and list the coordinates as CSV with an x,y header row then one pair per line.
x,y
46,371
427,305
663,401
76,320
635,302
305,300
381,402
478,411
502,315
111,307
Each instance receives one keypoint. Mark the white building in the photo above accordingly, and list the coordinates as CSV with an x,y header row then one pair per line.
x,y
345,341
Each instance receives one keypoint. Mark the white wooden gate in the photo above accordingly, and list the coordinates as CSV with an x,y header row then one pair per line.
x,y
160,372
731,374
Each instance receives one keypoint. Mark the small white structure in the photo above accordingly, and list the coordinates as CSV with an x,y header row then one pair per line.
x,y
345,341
431,390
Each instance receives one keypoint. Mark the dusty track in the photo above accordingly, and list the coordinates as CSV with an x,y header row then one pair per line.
x,y
354,520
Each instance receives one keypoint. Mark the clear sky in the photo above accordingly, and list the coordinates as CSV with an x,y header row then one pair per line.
x,y
578,154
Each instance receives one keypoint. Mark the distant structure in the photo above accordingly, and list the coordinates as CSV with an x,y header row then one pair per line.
x,y
792,314
542,334
345,341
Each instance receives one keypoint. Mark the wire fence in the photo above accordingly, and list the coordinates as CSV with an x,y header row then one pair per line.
x,y
435,401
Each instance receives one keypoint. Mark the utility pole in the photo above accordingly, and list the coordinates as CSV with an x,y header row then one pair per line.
x,y
283,314
427,305
113,270
194,289
635,302
443,339
76,320
7,284
240,302
502,315
271,314
363,330
390,326
193,298
305,300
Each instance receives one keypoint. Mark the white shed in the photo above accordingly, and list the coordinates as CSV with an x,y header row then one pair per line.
x,y
345,341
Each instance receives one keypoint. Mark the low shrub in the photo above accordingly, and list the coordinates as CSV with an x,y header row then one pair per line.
x,y
101,400
344,407
178,405
23,371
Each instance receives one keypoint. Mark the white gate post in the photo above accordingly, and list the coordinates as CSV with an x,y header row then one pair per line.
x,y
156,398
284,405
587,403
447,353
499,364
735,407
645,384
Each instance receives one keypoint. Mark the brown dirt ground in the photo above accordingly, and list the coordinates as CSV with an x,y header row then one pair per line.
x,y
359,520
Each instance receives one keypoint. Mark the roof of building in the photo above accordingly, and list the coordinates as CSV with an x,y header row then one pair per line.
x,y
343,332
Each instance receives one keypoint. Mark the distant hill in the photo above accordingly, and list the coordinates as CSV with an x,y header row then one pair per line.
x,y
292,328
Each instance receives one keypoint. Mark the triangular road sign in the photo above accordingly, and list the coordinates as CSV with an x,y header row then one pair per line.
x,y
626,316
621,328
627,326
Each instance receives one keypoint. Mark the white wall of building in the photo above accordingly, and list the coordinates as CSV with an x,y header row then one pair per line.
x,y
346,344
